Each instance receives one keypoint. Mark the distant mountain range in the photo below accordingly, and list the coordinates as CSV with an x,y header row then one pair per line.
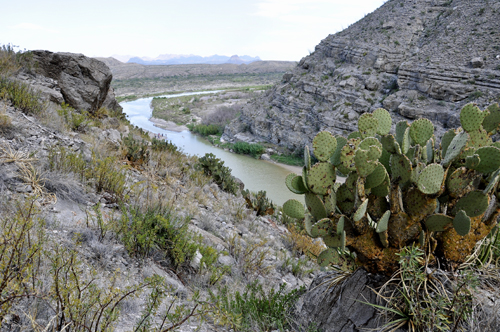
x,y
180,59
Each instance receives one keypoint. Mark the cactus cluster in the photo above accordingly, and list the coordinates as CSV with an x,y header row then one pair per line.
x,y
402,189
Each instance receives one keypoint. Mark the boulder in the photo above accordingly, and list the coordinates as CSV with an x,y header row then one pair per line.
x,y
84,82
477,62
340,307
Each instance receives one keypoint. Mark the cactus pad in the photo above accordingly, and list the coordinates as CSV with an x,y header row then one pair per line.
x,y
324,145
429,151
383,223
384,121
307,157
474,204
430,180
461,223
345,199
490,159
479,138
327,257
492,121
401,127
383,189
471,117
472,162
389,143
348,152
360,212
417,204
335,159
321,228
446,140
295,184
354,134
304,178
340,225
456,146
293,208
459,182
367,125
333,241
376,177
438,223
330,202
315,206
369,141
321,178
405,144
421,131
401,168
308,222
366,160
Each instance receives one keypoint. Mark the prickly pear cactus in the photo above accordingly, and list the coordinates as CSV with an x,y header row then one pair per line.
x,y
401,190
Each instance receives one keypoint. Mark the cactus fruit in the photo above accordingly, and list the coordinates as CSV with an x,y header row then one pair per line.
x,y
324,145
401,189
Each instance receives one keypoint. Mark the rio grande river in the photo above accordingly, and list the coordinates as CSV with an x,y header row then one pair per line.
x,y
255,174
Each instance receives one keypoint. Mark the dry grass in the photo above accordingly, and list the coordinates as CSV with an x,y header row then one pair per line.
x,y
8,155
304,244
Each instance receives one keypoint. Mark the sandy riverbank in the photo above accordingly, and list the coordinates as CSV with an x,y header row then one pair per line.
x,y
168,125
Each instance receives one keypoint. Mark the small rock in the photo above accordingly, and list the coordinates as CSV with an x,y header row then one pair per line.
x,y
195,262
265,156
477,62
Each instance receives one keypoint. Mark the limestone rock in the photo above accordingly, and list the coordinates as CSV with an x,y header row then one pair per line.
x,y
477,62
84,82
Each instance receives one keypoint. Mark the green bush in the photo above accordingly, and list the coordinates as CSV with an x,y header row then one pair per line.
x,y
158,145
156,229
248,148
74,120
259,310
221,174
135,151
206,130
21,95
258,202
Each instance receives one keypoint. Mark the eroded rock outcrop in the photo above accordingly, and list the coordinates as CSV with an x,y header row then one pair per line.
x,y
80,81
414,58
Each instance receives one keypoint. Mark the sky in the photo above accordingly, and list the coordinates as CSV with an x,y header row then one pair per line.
x,y
270,29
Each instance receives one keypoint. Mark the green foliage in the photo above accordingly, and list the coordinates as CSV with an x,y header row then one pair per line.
x,y
257,309
156,229
258,202
206,130
74,120
21,95
136,151
214,167
104,174
402,191
11,61
158,145
253,149
422,302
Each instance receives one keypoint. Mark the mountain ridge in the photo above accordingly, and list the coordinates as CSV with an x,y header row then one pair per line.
x,y
414,58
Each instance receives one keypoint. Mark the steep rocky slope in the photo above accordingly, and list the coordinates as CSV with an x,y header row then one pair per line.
x,y
423,58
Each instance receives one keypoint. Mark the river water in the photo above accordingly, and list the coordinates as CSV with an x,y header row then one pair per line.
x,y
255,174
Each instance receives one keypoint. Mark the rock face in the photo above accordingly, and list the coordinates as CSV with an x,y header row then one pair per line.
x,y
83,82
339,308
415,58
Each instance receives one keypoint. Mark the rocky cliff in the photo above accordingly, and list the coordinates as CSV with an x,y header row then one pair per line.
x,y
82,82
424,58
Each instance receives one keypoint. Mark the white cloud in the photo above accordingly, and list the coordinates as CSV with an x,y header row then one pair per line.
x,y
33,27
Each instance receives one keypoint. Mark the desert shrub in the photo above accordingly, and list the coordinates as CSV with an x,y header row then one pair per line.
x,y
253,149
158,145
221,116
214,167
257,309
206,130
156,230
73,119
11,61
104,174
135,151
21,95
258,202
5,122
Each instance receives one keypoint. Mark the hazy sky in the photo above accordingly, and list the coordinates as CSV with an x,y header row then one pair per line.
x,y
271,29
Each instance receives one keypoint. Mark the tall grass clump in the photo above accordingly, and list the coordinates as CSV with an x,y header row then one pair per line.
x,y
206,130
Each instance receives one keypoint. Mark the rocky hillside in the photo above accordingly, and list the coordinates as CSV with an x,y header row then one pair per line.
x,y
415,58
